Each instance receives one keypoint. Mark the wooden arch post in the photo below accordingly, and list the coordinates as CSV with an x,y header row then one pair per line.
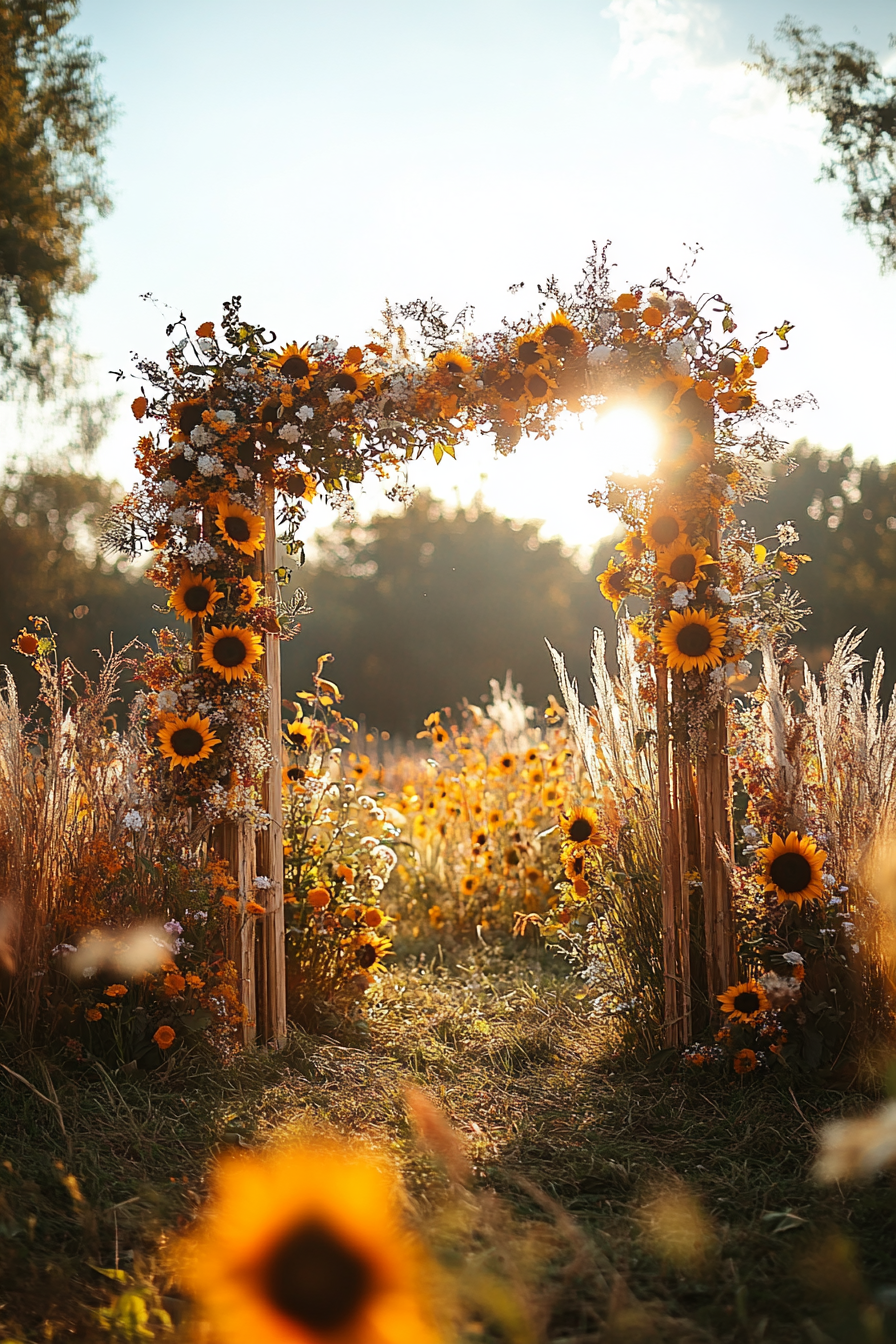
x,y
258,944
699,952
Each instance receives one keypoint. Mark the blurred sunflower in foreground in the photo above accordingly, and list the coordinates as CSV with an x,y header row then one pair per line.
x,y
305,1245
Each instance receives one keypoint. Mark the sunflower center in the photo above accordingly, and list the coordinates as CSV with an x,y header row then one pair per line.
x,y
693,640
236,528
664,530
683,568
537,385
580,830
295,368
514,387
196,598
315,1279
229,651
346,382
528,351
452,366
791,872
746,1002
180,469
560,335
295,773
366,955
187,742
616,581
189,418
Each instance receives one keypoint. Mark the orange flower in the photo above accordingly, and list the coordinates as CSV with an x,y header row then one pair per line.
x,y
318,898
165,1037
653,317
347,874
93,1015
139,407
27,644
230,902
116,991
207,329
194,981
174,984
625,302
373,918
745,1061
253,908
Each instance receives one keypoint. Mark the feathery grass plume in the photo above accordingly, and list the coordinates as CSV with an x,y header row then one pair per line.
x,y
620,949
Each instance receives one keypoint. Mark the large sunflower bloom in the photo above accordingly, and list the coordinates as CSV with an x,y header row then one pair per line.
x,y
792,868
692,640
295,363
194,596
230,651
185,741
454,362
186,416
240,527
561,336
682,563
614,583
581,826
305,1245
743,1003
351,382
529,351
664,528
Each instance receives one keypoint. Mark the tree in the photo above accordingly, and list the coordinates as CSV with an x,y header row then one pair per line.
x,y
54,118
425,608
844,83
51,567
845,512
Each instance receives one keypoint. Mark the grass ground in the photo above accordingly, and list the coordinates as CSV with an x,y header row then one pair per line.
x,y
626,1206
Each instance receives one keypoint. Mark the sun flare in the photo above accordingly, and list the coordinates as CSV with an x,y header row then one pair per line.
x,y
627,440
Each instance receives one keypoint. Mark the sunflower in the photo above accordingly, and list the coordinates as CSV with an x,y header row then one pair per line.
x,y
230,651
454,362
351,382
692,640
248,593
663,393
529,351
538,386
295,363
194,596
614,583
292,776
633,545
575,865
682,563
469,885
240,527
305,1244
507,763
744,1003
793,868
561,336
581,826
186,416
664,527
186,741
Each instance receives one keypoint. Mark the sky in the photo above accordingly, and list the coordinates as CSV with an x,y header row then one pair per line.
x,y
319,159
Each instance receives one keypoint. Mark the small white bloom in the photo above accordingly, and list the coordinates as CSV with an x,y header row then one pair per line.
x,y
166,700
335,395
180,346
335,434
744,668
133,820
188,452
201,553
724,596
263,883
835,900
306,412
787,534
599,355
209,464
289,433
751,835
63,948
206,344
795,958
168,488
173,927
681,597
225,417
243,472
855,948
182,517
202,436
829,879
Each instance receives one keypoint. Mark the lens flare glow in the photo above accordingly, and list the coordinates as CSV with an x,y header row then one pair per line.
x,y
627,441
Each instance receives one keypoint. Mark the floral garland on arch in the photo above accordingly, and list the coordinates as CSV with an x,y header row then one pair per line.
x,y
234,419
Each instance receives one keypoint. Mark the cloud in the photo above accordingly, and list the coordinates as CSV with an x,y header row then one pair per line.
x,y
679,46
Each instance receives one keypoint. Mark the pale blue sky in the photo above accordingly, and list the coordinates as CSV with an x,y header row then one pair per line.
x,y
318,158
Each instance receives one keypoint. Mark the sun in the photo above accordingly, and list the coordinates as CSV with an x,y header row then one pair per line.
x,y
627,440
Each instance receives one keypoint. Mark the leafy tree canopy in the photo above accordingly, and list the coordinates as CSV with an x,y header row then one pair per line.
x,y
845,84
54,118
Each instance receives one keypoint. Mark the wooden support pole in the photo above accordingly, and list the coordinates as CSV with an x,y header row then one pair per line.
x,y
272,1019
675,895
